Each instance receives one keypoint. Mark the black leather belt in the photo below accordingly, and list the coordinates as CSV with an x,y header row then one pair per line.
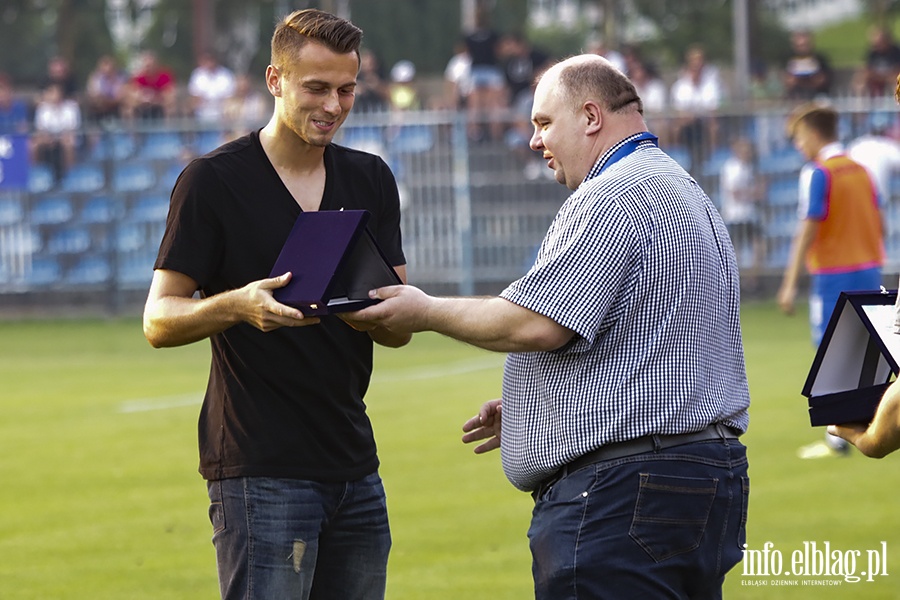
x,y
649,443
641,445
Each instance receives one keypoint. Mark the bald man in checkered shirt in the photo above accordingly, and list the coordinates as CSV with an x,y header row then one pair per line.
x,y
624,391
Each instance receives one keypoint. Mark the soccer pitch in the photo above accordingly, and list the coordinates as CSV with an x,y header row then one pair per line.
x,y
101,498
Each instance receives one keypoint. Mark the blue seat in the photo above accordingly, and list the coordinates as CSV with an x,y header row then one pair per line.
x,y
713,165
412,139
162,145
100,209
83,178
115,146
783,191
21,241
784,160
10,211
89,270
136,270
362,138
133,177
40,179
207,141
149,209
43,271
51,210
130,237
70,240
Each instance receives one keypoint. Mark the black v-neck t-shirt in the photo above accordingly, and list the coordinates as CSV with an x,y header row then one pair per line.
x,y
287,403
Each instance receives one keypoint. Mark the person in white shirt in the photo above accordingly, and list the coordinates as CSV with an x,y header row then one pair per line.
x,y
210,85
741,192
879,154
696,95
57,121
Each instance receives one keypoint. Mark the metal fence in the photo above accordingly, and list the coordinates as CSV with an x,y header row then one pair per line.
x,y
473,212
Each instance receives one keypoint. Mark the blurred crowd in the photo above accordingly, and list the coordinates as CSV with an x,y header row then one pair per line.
x,y
56,114
489,76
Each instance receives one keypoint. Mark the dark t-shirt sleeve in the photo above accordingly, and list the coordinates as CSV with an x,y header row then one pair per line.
x,y
192,242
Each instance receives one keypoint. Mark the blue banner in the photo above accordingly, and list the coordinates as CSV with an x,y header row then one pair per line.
x,y
14,163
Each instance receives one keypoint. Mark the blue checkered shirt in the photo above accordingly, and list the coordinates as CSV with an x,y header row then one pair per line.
x,y
639,265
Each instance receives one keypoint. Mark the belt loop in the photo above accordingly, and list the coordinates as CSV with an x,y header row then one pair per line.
x,y
657,446
720,429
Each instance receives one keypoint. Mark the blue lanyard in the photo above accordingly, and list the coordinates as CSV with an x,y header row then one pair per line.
x,y
627,148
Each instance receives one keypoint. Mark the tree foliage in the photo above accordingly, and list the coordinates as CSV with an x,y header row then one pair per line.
x,y
709,23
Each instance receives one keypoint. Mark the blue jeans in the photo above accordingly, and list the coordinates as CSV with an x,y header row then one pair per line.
x,y
661,525
295,539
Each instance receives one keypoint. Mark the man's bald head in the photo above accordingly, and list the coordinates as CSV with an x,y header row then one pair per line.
x,y
592,77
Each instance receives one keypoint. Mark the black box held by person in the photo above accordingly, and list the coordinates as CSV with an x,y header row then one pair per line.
x,y
856,361
334,261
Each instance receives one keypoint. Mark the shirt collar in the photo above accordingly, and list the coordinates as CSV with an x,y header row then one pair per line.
x,y
830,151
620,150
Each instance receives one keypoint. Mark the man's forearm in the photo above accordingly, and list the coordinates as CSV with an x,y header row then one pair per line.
x,y
494,324
176,321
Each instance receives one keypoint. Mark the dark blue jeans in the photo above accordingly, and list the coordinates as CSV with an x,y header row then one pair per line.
x,y
659,525
293,539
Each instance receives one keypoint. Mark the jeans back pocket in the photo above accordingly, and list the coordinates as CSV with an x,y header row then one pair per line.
x,y
671,513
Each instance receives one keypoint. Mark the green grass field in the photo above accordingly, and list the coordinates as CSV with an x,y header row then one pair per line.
x,y
101,499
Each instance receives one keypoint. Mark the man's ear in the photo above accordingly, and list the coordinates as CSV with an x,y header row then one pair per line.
x,y
593,117
273,80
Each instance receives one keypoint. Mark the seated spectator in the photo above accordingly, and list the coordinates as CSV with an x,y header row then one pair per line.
x,y
59,72
522,62
654,95
13,110
488,95
209,86
807,73
151,92
372,93
696,96
403,93
248,108
105,90
881,67
57,121
458,76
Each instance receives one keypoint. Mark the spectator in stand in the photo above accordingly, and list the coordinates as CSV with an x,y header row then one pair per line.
x,y
488,94
59,72
878,153
696,96
151,93
210,85
458,76
881,67
403,93
742,192
652,90
372,91
57,121
13,110
522,63
807,73
105,90
248,108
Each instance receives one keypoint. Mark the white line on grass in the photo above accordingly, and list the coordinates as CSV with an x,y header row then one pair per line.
x,y
414,374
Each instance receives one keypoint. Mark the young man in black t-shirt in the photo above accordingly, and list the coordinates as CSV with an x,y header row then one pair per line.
x,y
296,503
